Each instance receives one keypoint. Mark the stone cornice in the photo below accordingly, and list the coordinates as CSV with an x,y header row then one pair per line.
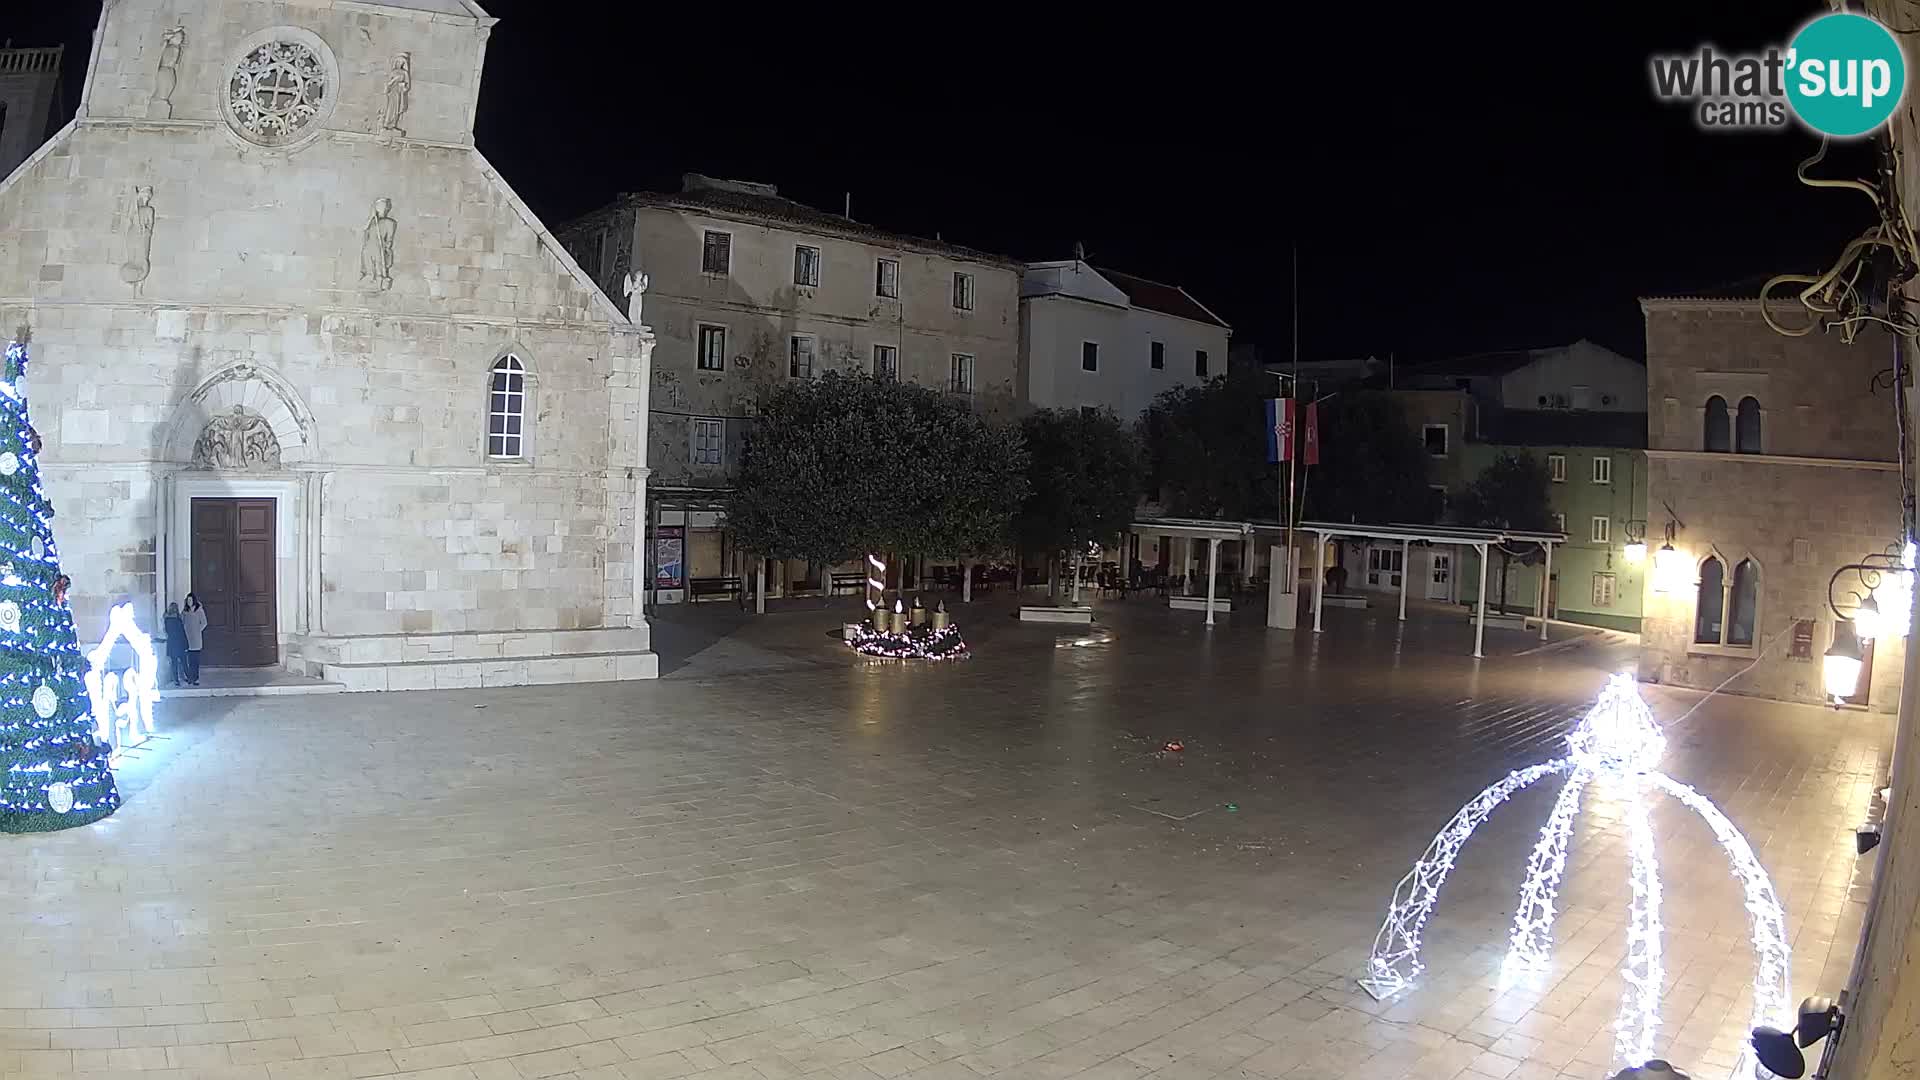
x,y
1775,459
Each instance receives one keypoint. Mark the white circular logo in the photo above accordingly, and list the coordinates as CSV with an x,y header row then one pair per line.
x,y
9,463
60,797
9,616
45,701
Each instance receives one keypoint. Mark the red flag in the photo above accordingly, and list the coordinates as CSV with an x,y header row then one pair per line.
x,y
1312,452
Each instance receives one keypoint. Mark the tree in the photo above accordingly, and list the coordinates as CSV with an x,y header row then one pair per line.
x,y
1373,467
1083,479
53,771
1511,493
845,464
1206,448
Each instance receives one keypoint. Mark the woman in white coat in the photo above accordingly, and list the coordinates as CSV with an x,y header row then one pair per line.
x,y
193,618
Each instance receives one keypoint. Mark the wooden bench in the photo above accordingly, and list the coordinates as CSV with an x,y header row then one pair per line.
x,y
848,581
714,586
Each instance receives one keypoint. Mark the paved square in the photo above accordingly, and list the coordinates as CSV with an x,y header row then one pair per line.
x,y
814,866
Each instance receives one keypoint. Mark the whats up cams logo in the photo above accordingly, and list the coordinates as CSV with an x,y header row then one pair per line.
x,y
1842,75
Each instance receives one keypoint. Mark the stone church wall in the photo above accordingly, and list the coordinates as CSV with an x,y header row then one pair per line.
x,y
169,270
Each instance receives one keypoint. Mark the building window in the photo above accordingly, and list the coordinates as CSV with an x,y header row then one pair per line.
x,y
709,442
713,348
1603,470
963,291
800,356
1719,434
806,266
1200,363
1089,356
962,373
1557,468
1603,590
1602,530
1435,436
886,279
1746,427
506,408
1384,566
1560,523
716,253
886,362
1728,609
1157,355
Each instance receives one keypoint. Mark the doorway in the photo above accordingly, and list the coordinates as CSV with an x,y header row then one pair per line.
x,y
1440,575
233,578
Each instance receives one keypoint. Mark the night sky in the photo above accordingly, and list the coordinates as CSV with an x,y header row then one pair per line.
x,y
1479,178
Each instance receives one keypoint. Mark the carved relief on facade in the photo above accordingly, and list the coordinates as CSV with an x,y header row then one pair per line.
x,y
139,238
166,76
376,248
399,85
237,440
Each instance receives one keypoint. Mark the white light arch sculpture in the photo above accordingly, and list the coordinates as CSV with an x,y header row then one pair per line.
x,y
123,702
1616,743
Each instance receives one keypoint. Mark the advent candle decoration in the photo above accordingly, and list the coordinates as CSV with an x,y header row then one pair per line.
x,y
903,635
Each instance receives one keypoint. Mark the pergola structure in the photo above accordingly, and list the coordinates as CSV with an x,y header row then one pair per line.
x,y
1478,539
1213,532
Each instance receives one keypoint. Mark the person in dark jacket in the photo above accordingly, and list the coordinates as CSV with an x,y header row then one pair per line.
x,y
176,632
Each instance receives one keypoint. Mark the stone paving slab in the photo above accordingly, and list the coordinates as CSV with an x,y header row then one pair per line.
x,y
847,869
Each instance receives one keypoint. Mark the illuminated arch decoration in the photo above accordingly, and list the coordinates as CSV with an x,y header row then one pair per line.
x,y
123,701
1618,744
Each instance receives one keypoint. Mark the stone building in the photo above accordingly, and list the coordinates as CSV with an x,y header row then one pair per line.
x,y
300,349
1775,465
747,289
29,101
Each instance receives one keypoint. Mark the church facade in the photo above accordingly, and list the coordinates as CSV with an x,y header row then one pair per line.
x,y
300,350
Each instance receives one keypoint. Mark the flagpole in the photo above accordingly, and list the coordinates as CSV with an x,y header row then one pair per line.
x,y
1293,576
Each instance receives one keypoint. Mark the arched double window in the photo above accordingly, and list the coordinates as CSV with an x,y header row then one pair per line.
x,y
1718,438
507,409
1746,427
1727,610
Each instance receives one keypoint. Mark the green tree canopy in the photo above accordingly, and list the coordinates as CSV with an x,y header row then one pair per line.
x,y
1510,493
844,464
1083,478
1207,455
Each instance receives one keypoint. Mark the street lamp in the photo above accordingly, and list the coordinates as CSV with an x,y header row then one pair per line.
x,y
1840,667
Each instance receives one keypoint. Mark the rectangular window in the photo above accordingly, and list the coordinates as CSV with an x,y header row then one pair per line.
x,y
709,442
1603,470
713,348
1200,362
1384,566
1602,530
886,362
1557,468
1435,436
962,373
1157,355
1603,590
1560,523
962,291
1089,356
886,279
800,356
716,253
806,266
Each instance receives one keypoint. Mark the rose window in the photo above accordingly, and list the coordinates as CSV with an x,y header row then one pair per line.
x,y
276,91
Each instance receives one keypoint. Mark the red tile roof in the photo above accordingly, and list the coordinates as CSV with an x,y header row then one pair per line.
x,y
1166,299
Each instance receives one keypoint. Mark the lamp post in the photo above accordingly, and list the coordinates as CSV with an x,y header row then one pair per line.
x,y
1882,607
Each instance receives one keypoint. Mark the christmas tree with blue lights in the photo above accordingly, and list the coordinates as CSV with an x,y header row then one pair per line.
x,y
56,774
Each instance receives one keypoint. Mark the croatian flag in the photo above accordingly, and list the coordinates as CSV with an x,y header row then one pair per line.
x,y
1279,429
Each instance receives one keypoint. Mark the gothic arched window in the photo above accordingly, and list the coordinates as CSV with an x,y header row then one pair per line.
x,y
1719,434
507,408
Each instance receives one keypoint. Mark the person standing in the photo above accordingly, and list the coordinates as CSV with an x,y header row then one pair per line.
x,y
193,619
176,631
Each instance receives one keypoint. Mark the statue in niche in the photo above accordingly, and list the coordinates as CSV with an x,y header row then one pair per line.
x,y
237,440
376,248
634,287
139,238
399,85
167,77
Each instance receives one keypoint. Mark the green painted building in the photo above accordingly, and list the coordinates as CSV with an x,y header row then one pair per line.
x,y
1598,462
